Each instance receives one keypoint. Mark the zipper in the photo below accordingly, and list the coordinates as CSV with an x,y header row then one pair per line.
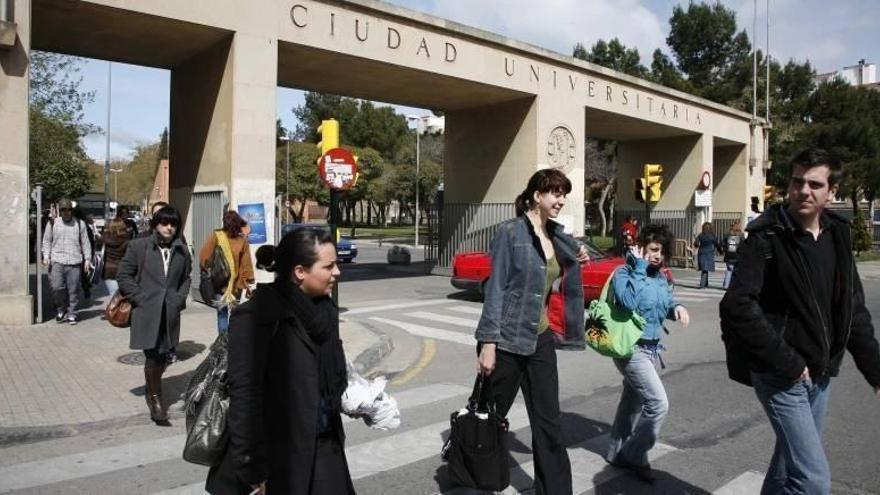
x,y
806,272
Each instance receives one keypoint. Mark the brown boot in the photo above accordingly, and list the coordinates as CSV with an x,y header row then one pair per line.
x,y
153,395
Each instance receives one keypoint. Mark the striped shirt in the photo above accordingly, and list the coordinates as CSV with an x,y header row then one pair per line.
x,y
60,243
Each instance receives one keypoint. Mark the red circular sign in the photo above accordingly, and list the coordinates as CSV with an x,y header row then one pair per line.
x,y
338,169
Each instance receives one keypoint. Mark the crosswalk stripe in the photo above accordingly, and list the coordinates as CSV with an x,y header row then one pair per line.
x,y
385,454
699,293
588,468
430,332
745,484
100,461
686,299
193,489
436,317
385,307
471,310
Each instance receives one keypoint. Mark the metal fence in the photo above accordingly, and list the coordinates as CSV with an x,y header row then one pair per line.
x,y
207,215
468,227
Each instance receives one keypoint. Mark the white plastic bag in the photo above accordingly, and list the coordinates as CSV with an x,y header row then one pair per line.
x,y
367,399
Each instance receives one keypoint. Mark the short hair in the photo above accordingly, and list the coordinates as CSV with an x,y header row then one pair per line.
x,y
657,233
117,227
159,204
233,223
542,181
817,157
167,215
65,203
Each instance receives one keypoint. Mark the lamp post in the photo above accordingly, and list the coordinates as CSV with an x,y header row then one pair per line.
x,y
418,121
286,139
116,183
107,152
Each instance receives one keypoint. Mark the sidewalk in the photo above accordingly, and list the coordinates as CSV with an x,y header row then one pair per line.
x,y
58,375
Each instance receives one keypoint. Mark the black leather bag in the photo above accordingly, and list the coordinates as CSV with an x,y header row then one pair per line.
x,y
476,451
206,403
214,278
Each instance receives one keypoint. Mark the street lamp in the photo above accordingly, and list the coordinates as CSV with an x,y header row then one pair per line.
x,y
418,121
116,183
107,152
286,139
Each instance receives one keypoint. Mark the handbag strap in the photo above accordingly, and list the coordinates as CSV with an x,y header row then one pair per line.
x,y
604,295
479,399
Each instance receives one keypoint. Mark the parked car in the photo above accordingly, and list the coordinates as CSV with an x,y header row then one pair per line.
x,y
470,270
346,249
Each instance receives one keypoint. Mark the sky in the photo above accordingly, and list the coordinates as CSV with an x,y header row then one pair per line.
x,y
830,35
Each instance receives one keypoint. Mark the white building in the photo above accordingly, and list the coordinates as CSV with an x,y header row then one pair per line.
x,y
862,74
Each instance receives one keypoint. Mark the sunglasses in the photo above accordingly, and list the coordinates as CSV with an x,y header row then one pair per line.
x,y
166,222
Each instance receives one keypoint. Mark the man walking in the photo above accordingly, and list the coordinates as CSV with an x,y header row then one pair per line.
x,y
67,252
794,305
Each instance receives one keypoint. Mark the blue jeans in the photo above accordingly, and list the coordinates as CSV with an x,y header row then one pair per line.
x,y
796,412
223,319
111,285
728,274
642,409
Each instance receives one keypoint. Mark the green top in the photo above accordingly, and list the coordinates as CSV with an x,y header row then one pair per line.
x,y
553,272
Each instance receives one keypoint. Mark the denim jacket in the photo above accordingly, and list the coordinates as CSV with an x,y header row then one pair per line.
x,y
647,294
514,295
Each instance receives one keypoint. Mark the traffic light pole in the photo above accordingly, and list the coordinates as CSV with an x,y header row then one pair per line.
x,y
334,229
647,202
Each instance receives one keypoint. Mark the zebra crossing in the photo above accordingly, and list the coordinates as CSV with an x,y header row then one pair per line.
x,y
385,453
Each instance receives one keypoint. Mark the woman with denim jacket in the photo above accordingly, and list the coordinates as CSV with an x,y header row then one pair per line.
x,y
642,287
530,256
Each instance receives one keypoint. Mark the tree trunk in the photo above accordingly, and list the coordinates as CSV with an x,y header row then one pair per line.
x,y
302,210
602,198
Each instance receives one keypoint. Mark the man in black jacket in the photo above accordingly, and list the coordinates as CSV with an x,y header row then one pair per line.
x,y
794,305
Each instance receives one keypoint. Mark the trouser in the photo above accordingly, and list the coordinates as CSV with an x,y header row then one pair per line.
x,y
537,376
223,319
728,274
642,409
704,279
64,281
111,285
796,412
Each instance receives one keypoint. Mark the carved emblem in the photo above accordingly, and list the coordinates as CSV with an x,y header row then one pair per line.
x,y
561,149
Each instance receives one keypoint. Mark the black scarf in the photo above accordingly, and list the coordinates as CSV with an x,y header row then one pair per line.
x,y
320,319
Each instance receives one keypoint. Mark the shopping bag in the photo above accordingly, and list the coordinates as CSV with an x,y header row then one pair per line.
x,y
612,330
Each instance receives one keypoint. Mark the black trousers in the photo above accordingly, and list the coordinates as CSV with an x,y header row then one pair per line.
x,y
538,378
330,473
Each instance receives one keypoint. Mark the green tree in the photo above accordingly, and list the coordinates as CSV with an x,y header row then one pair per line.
x,y
861,235
58,160
613,55
663,71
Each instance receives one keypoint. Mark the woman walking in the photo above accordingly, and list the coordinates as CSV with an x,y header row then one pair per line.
x,y
237,252
729,245
115,241
530,256
641,287
706,244
155,276
287,374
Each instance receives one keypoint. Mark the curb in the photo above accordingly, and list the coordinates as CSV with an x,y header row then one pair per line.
x,y
373,355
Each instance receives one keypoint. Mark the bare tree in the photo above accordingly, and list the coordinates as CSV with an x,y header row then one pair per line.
x,y
600,173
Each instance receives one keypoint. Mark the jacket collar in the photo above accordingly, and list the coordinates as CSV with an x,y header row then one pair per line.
x,y
776,217
176,243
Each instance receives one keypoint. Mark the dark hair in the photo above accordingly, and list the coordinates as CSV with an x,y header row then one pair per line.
x,y
265,257
233,223
657,233
542,181
707,228
299,247
816,157
168,214
160,204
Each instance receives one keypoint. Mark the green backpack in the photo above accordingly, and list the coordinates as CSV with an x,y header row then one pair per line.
x,y
612,330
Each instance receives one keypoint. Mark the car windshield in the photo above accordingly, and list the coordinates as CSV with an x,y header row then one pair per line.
x,y
592,251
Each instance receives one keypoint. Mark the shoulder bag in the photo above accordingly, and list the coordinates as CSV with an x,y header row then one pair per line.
x,y
477,449
118,310
612,330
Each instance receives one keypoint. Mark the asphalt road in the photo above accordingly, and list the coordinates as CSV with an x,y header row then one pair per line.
x,y
716,438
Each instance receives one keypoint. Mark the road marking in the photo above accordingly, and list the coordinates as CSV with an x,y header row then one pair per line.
x,y
429,349
588,468
686,299
699,293
385,454
471,310
439,318
430,332
745,484
385,307
194,489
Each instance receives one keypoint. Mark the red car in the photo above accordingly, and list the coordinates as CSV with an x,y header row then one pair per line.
x,y
471,270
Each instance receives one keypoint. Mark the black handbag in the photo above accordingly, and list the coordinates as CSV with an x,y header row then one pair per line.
x,y
206,402
214,278
476,451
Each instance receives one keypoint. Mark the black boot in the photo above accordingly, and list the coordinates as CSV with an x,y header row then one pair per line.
x,y
153,396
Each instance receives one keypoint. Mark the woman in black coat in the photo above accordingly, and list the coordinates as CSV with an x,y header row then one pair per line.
x,y
286,376
154,275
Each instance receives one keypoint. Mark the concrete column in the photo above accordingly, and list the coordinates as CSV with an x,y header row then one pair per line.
x,y
16,307
730,179
223,125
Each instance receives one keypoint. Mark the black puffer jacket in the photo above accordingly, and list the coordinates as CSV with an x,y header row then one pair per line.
x,y
770,317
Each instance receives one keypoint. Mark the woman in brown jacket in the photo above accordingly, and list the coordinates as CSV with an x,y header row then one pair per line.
x,y
233,244
115,241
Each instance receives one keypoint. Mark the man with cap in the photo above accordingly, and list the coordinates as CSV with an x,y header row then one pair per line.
x,y
67,252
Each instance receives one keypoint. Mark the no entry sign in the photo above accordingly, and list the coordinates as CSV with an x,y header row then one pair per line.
x,y
338,169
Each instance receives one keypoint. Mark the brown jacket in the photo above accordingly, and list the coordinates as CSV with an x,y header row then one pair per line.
x,y
241,255
114,250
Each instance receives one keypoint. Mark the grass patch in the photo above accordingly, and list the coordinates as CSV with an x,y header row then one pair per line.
x,y
868,256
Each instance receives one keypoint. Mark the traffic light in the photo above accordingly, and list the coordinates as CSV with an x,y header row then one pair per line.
x,y
653,181
639,190
769,194
329,132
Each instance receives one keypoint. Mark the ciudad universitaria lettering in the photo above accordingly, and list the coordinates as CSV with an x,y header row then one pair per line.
x,y
625,97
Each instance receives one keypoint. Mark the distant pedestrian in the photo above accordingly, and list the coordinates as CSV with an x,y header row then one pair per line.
x,y
729,246
287,374
795,304
641,286
123,213
155,276
158,205
706,244
92,233
234,245
516,347
629,235
67,253
115,241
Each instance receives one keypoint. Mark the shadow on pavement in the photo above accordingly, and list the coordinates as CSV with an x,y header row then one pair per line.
x,y
358,272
